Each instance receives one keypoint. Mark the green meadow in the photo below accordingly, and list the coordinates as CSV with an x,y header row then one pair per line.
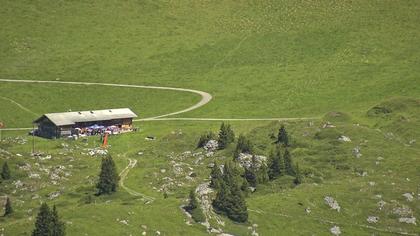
x,y
354,64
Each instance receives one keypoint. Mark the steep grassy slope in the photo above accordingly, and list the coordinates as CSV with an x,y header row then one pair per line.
x,y
259,58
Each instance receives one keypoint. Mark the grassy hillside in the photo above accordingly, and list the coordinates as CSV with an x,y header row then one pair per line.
x,y
353,64
267,58
384,172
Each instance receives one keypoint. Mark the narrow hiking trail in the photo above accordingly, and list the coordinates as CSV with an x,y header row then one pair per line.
x,y
123,176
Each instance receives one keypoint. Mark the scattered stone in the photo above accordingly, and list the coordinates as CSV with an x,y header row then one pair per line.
x,y
335,230
53,195
211,146
140,153
331,202
247,160
402,211
381,204
409,197
408,220
162,170
157,232
373,219
343,138
371,183
308,210
328,125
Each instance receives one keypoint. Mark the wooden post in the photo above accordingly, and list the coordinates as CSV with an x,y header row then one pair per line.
x,y
33,139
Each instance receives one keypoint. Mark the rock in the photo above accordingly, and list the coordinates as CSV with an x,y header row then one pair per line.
x,y
343,138
408,220
162,171
211,146
157,232
335,230
372,219
308,210
371,183
252,189
332,203
381,204
140,153
53,195
409,197
328,125
144,233
144,227
34,176
402,211
356,152
247,160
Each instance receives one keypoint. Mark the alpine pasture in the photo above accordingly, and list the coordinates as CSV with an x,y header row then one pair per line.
x,y
346,72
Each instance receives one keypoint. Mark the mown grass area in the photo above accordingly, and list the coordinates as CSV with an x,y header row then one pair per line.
x,y
259,58
328,165
23,103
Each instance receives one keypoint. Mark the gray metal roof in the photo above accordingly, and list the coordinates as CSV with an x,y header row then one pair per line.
x,y
70,118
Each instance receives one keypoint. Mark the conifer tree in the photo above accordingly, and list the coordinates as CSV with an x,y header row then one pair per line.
x,y
244,145
43,221
5,173
274,164
251,176
288,163
226,136
57,226
262,176
283,137
108,177
230,199
216,176
193,204
205,138
8,207
298,176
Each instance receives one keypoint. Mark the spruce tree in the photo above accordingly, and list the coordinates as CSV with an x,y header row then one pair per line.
x,y
244,145
57,226
8,207
5,173
274,165
193,204
298,176
230,199
43,221
288,163
226,136
108,177
283,137
251,176
262,176
216,176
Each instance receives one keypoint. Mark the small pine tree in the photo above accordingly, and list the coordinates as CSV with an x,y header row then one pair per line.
x,y
57,226
283,137
226,136
108,177
298,176
288,163
274,165
204,138
230,199
8,207
216,176
43,221
262,176
244,145
251,177
5,173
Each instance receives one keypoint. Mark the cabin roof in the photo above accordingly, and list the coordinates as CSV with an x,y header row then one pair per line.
x,y
71,118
